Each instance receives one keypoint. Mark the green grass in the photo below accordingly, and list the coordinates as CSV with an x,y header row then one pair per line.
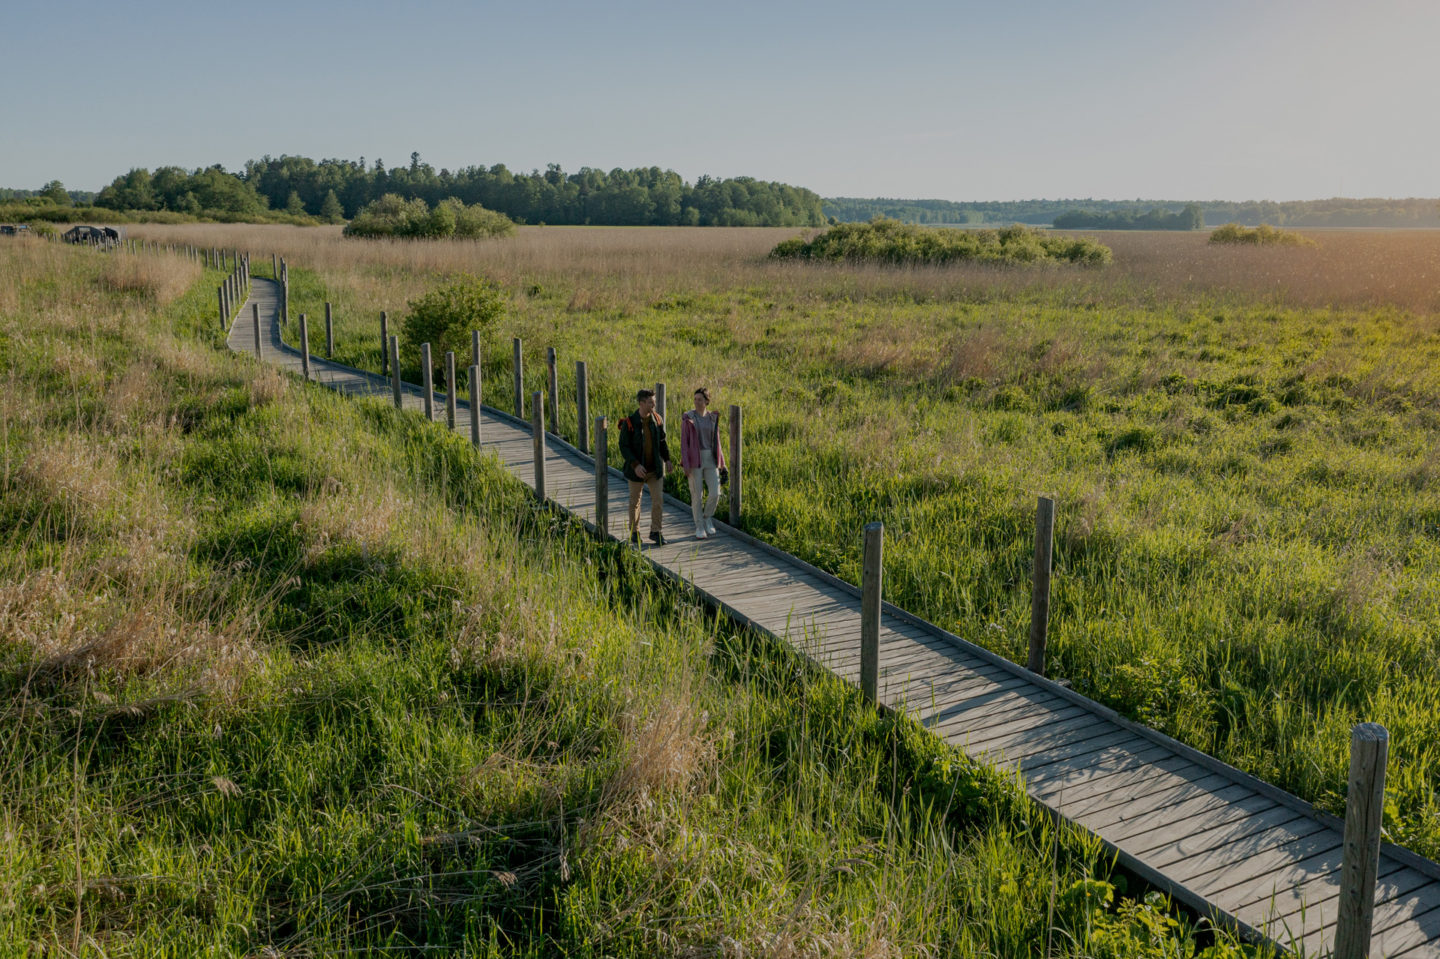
x,y
1247,504
295,673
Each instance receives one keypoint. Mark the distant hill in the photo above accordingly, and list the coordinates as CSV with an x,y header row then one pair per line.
x,y
1374,212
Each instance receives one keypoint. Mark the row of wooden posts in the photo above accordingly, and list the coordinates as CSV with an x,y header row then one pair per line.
x,y
1369,741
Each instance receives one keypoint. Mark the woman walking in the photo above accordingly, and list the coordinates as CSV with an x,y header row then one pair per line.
x,y
702,459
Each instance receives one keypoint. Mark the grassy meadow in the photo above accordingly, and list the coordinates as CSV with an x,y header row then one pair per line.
x,y
1242,443
291,675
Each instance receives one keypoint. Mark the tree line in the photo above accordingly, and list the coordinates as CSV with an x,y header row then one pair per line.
x,y
1189,218
332,190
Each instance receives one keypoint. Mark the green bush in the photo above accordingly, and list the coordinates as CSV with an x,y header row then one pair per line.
x,y
1262,235
393,215
445,316
890,241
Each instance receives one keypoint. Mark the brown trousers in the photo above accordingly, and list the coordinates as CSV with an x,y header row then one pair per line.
x,y
657,502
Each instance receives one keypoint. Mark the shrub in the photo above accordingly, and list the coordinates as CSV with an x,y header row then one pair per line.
x,y
445,316
1262,235
890,241
393,215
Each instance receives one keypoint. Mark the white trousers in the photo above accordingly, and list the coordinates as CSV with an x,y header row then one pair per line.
x,y
703,507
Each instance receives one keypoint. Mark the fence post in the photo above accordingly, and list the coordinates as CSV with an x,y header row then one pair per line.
x,y
475,405
274,267
519,383
1364,803
395,371
537,430
220,298
304,347
450,389
870,586
329,331
602,479
660,401
1040,588
582,405
427,380
474,347
554,386
255,315
734,458
384,339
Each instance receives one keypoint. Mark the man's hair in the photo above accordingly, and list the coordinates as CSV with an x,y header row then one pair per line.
x,y
644,394
702,391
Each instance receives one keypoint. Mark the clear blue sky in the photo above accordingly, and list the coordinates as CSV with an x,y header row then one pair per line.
x,y
1119,99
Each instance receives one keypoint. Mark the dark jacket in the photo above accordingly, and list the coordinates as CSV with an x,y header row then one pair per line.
x,y
632,444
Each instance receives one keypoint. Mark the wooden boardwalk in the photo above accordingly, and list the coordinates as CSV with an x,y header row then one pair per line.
x,y
1220,841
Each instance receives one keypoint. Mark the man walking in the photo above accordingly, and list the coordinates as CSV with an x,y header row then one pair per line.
x,y
642,441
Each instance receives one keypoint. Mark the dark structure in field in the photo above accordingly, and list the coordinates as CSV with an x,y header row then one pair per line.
x,y
90,234
13,229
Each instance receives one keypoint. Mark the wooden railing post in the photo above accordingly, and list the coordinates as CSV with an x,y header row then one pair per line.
x,y
870,593
474,347
255,315
660,403
274,267
449,389
734,457
537,430
582,406
427,380
1360,863
384,341
304,347
475,405
1040,588
602,478
220,302
554,388
395,371
519,382
329,331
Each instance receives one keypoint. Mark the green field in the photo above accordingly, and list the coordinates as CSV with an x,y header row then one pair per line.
x,y
290,675
1242,443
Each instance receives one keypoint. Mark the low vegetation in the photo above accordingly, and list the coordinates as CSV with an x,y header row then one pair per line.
x,y
1262,235
394,216
893,242
288,674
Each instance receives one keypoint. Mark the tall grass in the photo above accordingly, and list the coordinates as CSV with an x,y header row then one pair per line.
x,y
288,674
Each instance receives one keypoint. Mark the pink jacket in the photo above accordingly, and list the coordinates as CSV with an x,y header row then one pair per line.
x,y
690,441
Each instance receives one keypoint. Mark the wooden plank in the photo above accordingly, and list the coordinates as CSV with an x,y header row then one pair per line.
x,y
1263,850
1093,731
1307,893
1021,722
1091,777
1416,938
1189,797
1192,817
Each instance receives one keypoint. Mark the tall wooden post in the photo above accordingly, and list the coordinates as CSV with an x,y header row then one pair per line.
x,y
449,389
582,405
554,387
475,405
537,430
602,479
1040,587
329,331
474,347
304,347
660,402
1364,804
427,380
870,593
395,371
255,315
734,457
519,383
384,339
274,266
220,302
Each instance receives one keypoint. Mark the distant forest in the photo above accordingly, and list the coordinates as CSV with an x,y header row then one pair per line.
x,y
332,190
1298,213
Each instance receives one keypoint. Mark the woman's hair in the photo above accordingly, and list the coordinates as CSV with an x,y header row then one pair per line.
x,y
702,391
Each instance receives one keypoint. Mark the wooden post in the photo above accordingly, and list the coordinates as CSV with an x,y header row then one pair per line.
x,y
304,347
519,383
474,347
449,389
554,385
1364,803
870,593
582,405
602,479
395,371
1040,588
736,499
537,430
255,315
427,379
329,331
220,298
384,339
660,401
274,267
475,405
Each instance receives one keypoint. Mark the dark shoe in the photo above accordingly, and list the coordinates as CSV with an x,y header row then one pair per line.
x,y
658,539
635,537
